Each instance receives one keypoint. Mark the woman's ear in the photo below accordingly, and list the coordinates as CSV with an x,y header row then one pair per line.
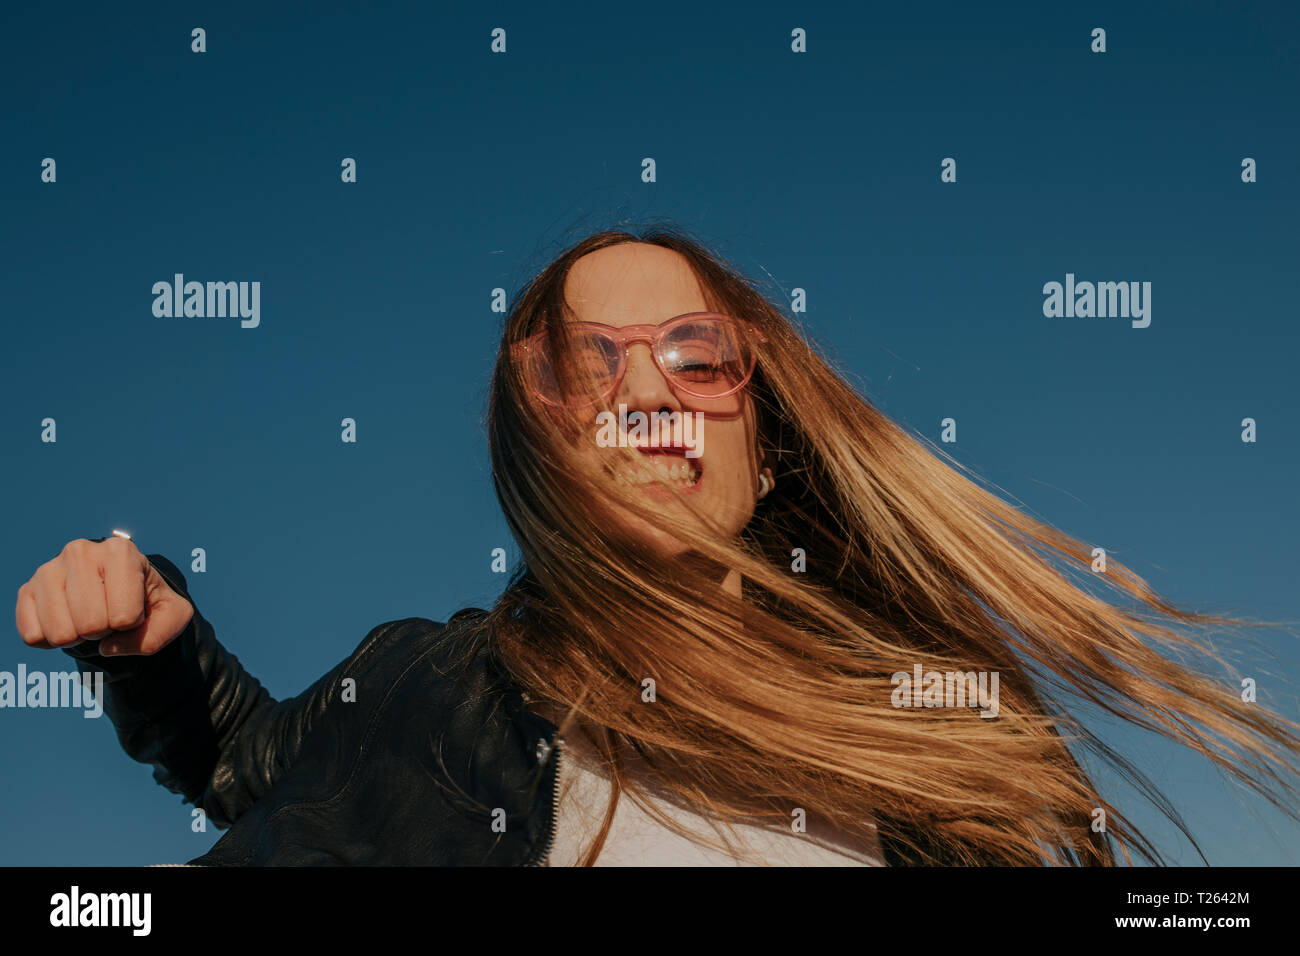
x,y
765,458
766,463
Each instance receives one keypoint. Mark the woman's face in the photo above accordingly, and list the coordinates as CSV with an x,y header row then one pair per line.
x,y
642,284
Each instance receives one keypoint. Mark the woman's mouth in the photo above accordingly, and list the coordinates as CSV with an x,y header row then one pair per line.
x,y
668,465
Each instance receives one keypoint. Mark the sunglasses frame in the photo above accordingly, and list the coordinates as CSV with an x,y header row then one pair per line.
x,y
624,336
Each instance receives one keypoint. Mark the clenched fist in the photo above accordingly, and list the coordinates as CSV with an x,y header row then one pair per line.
x,y
95,590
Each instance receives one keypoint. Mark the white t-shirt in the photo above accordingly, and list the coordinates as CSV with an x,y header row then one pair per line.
x,y
637,839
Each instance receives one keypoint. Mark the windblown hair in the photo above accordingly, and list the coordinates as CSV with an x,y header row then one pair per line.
x,y
783,699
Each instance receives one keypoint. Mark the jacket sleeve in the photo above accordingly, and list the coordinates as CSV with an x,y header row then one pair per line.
x,y
210,729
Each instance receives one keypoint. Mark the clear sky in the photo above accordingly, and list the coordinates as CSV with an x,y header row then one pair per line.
x,y
817,171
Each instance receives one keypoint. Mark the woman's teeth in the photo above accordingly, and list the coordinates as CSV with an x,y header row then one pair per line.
x,y
676,472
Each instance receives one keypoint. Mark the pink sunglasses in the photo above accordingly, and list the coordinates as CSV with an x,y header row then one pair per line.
x,y
704,354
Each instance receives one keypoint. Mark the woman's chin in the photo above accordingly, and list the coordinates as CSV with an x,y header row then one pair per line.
x,y
655,536
656,541
650,537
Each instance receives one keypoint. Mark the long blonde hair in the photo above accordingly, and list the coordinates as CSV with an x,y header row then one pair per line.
x,y
784,698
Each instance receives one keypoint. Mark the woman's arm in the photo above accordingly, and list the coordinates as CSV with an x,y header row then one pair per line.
x,y
210,729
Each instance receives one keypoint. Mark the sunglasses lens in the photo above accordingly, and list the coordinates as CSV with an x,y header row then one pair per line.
x,y
708,356
583,380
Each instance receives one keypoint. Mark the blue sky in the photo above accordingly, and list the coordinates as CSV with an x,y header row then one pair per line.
x,y
818,171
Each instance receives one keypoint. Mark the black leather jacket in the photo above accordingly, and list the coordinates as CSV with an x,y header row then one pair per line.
x,y
416,750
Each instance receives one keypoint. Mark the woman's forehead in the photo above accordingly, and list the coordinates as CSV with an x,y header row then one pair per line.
x,y
632,284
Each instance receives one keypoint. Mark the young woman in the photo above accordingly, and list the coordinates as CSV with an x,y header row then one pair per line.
x,y
744,597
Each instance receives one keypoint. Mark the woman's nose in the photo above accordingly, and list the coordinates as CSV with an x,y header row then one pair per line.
x,y
644,386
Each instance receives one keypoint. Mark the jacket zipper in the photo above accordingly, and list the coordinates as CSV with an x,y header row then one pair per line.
x,y
539,858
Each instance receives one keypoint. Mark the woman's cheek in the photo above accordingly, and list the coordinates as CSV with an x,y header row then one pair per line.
x,y
730,497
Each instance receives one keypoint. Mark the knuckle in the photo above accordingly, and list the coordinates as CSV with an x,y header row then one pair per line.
x,y
91,622
118,543
77,547
42,584
59,637
121,619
